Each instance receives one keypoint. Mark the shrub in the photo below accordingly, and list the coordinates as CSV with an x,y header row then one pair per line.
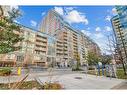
x,y
5,71
120,74
77,69
52,86
91,68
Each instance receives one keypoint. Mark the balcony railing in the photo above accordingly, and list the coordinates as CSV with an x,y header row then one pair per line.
x,y
41,39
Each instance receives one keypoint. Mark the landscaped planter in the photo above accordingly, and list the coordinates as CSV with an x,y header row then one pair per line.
x,y
77,69
5,71
52,86
33,85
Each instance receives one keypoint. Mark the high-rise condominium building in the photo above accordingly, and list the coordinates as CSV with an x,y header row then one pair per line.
x,y
70,42
56,43
119,23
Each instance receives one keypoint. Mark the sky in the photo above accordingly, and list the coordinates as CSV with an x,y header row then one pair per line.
x,y
93,21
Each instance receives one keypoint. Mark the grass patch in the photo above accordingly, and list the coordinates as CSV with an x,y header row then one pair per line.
x,y
120,74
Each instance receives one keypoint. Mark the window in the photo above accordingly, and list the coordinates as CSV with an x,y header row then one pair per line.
x,y
20,58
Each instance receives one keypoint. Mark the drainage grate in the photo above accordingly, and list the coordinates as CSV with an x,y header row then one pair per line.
x,y
78,77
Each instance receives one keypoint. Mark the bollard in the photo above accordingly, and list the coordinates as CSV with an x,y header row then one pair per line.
x,y
19,71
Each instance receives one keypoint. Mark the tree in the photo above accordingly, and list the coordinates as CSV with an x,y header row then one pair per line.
x,y
92,58
106,59
8,36
77,61
77,57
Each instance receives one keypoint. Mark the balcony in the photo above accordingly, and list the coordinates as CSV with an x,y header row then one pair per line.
x,y
75,46
59,51
38,52
41,49
60,42
59,45
41,44
59,48
65,36
74,34
59,54
41,39
66,55
74,40
65,39
39,36
75,37
65,52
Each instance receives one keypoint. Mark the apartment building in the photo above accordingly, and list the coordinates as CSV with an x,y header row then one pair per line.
x,y
119,23
37,49
70,42
4,10
56,43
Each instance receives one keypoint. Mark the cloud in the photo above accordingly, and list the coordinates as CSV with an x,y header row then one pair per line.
x,y
14,7
87,33
16,21
59,10
101,40
76,17
43,13
107,28
114,11
69,8
98,29
108,18
98,38
71,15
88,28
33,23
98,35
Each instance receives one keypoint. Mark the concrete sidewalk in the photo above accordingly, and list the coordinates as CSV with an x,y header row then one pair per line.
x,y
81,81
72,80
121,86
33,75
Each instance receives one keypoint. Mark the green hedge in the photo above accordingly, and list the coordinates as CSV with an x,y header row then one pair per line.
x,y
120,74
77,69
5,71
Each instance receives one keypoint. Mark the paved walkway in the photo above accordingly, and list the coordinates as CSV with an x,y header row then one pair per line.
x,y
72,80
81,81
120,86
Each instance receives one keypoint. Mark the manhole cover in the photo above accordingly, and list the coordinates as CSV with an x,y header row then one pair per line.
x,y
78,77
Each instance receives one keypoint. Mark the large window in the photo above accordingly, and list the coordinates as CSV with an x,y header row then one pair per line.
x,y
51,46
